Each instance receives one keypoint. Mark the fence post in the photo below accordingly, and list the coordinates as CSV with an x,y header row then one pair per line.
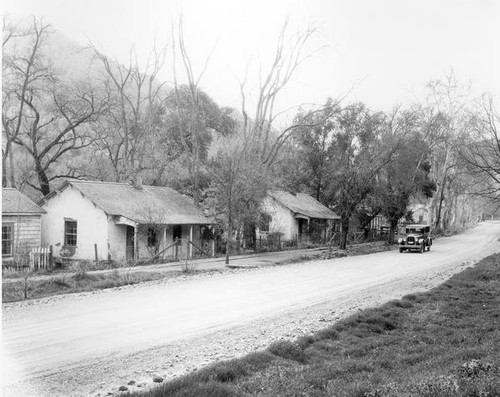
x,y
96,254
51,256
176,248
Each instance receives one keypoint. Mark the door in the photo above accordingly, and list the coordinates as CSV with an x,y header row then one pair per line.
x,y
177,232
130,244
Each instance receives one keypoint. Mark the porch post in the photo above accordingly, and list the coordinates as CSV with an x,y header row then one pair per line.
x,y
136,243
190,246
164,238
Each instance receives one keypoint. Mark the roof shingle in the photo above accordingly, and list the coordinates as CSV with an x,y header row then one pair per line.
x,y
151,204
14,202
303,204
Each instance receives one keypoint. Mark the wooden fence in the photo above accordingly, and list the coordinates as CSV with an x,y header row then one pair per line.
x,y
40,258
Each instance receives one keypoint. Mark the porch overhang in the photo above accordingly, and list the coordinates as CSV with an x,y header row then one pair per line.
x,y
301,216
121,220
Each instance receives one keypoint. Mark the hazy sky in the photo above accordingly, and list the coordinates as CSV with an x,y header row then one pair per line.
x,y
386,49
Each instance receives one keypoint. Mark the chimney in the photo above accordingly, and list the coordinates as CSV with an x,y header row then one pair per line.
x,y
137,181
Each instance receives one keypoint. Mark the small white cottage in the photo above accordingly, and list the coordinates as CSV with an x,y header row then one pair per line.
x,y
21,224
118,221
298,216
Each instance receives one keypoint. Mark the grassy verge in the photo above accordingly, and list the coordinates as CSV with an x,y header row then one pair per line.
x,y
442,343
27,288
80,277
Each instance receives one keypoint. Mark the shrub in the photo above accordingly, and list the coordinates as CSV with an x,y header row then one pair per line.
x,y
474,368
443,386
210,389
61,282
288,350
258,360
328,333
305,341
403,304
223,371
81,268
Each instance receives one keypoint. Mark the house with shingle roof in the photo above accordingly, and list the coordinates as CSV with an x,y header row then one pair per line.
x,y
21,224
298,216
119,221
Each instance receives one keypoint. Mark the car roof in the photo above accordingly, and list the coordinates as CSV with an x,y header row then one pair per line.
x,y
417,225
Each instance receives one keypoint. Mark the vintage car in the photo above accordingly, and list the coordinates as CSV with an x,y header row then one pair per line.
x,y
417,238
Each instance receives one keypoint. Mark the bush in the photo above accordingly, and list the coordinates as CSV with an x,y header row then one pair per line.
x,y
288,350
210,389
403,304
328,333
223,371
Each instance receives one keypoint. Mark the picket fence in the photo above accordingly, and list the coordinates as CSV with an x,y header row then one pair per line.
x,y
40,258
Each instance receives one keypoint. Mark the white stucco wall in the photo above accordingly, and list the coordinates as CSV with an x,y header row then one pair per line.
x,y
282,219
92,224
117,238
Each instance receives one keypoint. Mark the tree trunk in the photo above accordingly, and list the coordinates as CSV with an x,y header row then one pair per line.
x,y
440,205
42,178
392,227
4,173
228,237
11,165
345,231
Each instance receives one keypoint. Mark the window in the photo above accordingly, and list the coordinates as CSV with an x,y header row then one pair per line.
x,y
7,240
70,233
152,238
264,222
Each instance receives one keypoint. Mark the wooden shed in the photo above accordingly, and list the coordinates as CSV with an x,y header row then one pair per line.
x,y
21,224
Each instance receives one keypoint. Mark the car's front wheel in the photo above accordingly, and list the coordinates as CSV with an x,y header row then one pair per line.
x,y
401,250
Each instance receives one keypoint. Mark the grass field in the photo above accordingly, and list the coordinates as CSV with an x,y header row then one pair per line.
x,y
442,343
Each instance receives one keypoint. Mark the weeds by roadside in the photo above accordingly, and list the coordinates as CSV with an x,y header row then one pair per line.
x,y
78,282
441,343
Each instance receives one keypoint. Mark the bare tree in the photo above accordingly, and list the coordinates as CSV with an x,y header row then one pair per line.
x,y
191,119
21,72
481,153
43,114
449,99
290,53
132,124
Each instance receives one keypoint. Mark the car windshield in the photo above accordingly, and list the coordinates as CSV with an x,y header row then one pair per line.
x,y
414,231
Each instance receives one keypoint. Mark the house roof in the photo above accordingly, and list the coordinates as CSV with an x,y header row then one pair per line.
x,y
16,203
151,204
303,205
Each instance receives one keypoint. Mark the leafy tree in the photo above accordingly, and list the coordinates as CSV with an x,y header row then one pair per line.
x,y
359,153
239,185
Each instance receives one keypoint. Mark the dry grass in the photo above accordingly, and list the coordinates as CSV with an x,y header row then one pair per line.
x,y
79,282
442,343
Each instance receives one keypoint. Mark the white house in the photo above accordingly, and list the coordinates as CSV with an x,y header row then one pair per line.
x,y
119,221
298,216
21,224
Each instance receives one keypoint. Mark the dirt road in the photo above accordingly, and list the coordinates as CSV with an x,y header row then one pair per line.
x,y
90,343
